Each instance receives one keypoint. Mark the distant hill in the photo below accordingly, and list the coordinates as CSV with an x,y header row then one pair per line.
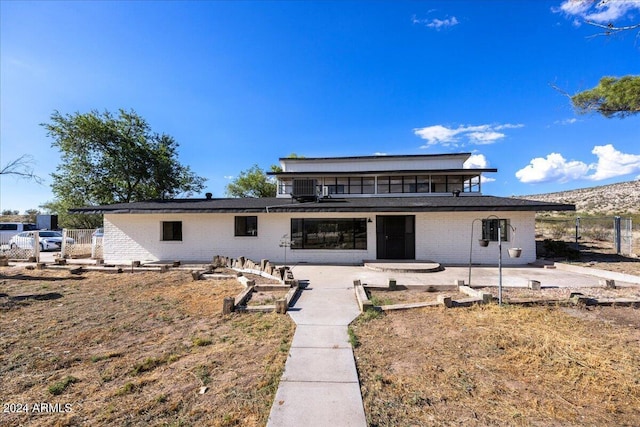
x,y
623,197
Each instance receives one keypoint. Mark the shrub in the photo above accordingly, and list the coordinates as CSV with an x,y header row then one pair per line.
x,y
59,387
554,248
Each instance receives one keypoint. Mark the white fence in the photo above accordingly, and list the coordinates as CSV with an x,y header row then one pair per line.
x,y
20,249
85,244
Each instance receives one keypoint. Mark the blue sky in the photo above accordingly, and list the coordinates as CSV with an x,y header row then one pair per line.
x,y
240,83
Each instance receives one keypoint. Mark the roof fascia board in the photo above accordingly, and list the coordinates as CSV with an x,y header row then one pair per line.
x,y
386,172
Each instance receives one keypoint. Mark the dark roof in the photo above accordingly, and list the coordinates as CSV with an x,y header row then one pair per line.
x,y
465,171
444,203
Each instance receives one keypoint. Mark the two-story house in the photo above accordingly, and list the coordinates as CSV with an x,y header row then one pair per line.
x,y
335,210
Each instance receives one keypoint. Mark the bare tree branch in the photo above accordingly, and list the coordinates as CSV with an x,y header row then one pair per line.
x,y
562,91
612,29
22,167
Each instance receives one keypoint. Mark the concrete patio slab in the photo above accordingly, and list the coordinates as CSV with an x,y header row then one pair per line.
x,y
325,306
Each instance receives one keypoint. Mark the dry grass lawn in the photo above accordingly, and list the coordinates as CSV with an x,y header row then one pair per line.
x,y
487,365
135,349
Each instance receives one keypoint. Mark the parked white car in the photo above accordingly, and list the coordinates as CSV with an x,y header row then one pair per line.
x,y
49,240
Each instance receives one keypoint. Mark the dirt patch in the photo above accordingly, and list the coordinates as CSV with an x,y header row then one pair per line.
x,y
135,349
407,296
490,365
596,254
553,293
265,297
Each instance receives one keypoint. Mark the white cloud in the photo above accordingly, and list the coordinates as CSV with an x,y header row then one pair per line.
x,y
229,177
476,161
611,163
436,23
483,138
552,168
379,154
509,126
602,11
566,121
437,134
478,135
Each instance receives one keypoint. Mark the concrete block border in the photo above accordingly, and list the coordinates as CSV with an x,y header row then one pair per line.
x,y
244,265
479,297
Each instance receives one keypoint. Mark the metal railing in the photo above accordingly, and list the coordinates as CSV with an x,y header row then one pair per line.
x,y
613,233
81,243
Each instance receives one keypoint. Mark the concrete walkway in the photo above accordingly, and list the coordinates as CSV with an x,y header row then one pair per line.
x,y
319,386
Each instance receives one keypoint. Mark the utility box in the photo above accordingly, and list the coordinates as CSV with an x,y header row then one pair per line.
x,y
47,222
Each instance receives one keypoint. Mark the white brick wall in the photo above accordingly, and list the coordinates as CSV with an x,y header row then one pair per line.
x,y
441,237
446,238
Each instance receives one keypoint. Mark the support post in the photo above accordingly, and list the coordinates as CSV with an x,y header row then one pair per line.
x,y
617,235
228,305
499,264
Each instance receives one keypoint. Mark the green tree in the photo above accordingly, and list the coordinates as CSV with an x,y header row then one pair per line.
x,y
253,182
9,212
108,158
612,97
31,214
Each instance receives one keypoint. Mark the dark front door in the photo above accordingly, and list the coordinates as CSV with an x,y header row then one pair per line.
x,y
395,237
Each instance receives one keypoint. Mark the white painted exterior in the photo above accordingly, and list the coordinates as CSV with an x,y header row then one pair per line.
x,y
443,237
377,163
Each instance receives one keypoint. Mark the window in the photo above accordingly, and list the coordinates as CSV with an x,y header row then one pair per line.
x,y
338,233
438,184
490,230
383,184
172,231
246,226
368,185
8,226
395,185
423,184
454,183
355,185
410,184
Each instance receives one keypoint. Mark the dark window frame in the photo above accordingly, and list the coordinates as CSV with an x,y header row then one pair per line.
x,y
490,229
333,231
242,226
171,231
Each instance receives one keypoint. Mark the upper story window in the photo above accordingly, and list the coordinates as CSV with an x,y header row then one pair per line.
x,y
390,184
246,226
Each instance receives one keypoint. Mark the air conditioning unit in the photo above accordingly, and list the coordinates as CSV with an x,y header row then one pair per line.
x,y
325,191
304,189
